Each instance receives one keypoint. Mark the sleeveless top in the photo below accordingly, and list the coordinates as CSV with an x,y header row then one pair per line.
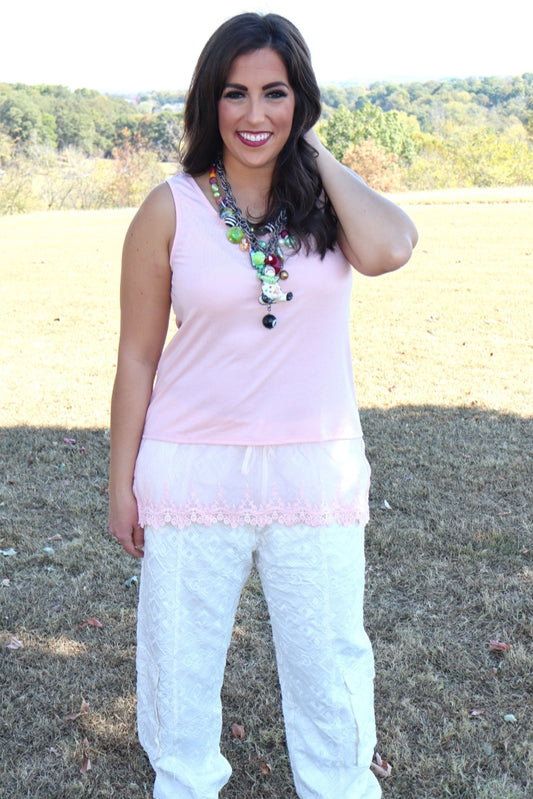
x,y
248,424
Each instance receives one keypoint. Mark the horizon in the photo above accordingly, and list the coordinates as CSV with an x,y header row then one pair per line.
x,y
400,81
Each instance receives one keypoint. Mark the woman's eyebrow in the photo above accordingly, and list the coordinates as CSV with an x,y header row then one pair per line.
x,y
243,88
275,83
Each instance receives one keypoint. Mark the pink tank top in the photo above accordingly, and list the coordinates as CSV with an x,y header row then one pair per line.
x,y
226,379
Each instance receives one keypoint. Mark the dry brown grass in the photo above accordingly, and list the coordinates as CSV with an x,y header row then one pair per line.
x,y
442,356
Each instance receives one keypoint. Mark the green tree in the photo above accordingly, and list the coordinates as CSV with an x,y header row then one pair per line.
x,y
161,134
338,132
48,129
20,117
75,125
386,128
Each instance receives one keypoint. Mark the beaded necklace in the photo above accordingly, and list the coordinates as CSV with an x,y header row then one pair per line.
x,y
266,254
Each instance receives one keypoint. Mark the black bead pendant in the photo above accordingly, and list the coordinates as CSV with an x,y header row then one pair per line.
x,y
269,321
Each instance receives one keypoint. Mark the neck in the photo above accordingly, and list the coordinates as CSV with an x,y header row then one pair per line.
x,y
250,187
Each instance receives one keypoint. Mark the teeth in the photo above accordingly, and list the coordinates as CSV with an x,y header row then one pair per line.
x,y
255,136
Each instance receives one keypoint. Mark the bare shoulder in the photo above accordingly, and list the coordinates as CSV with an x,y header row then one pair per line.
x,y
150,236
154,224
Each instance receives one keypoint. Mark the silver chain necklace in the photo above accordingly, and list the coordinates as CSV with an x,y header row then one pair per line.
x,y
266,254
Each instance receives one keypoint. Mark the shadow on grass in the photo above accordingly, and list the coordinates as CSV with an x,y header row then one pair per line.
x,y
447,550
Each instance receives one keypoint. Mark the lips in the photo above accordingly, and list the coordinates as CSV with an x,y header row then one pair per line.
x,y
254,139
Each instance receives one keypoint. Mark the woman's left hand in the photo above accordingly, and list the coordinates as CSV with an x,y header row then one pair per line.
x,y
375,235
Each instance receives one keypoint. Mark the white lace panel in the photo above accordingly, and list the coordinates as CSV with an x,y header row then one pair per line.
x,y
316,484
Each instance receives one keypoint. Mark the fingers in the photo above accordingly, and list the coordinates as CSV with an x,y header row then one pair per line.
x,y
138,540
132,541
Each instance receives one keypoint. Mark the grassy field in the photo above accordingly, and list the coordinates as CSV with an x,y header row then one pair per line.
x,y
443,362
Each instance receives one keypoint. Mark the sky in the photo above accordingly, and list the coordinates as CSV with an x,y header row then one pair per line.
x,y
117,47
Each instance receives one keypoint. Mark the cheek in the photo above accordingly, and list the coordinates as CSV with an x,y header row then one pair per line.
x,y
289,118
225,117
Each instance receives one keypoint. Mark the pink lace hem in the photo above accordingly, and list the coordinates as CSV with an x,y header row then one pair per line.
x,y
157,516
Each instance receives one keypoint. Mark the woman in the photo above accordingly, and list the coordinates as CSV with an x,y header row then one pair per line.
x,y
248,449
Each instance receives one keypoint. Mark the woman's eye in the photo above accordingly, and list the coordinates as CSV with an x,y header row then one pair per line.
x,y
276,94
233,94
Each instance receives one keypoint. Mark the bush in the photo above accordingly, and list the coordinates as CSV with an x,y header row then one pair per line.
x,y
379,168
43,180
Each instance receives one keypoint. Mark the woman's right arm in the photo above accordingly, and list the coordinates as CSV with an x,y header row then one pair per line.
x,y
145,306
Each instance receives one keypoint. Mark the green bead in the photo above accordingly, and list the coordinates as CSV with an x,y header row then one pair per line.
x,y
258,257
235,235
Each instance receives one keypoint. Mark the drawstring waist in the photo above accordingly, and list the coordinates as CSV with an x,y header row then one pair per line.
x,y
258,457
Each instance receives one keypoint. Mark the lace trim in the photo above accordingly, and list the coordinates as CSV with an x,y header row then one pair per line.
x,y
247,513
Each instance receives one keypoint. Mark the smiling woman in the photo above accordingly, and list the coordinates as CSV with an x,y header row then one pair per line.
x,y
248,449
255,112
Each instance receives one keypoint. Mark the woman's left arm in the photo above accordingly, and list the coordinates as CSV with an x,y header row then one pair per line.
x,y
375,235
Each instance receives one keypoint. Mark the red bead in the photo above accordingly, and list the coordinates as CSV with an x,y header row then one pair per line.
x,y
271,260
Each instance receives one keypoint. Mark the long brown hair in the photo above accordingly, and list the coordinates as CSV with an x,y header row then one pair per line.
x,y
296,184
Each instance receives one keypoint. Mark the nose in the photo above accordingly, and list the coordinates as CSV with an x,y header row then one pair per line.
x,y
256,111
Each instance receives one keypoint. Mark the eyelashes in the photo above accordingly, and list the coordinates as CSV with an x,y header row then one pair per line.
x,y
235,94
232,94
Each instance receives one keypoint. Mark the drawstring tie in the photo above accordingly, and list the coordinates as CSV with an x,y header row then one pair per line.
x,y
258,456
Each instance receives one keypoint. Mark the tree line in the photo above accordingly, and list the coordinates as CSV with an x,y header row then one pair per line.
x,y
414,135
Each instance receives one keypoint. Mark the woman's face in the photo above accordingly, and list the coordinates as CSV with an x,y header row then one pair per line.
x,y
256,110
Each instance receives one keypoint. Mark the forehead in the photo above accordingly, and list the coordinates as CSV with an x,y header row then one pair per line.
x,y
263,66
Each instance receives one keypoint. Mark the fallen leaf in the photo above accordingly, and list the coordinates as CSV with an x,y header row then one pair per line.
x,y
385,505
48,550
380,767
55,537
86,765
475,712
5,582
131,581
15,644
69,441
90,623
8,552
84,709
510,717
238,732
265,768
499,646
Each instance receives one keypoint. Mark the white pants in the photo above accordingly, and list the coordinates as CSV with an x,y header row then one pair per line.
x,y
313,580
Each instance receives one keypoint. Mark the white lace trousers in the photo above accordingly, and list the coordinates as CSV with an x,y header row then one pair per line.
x,y
313,580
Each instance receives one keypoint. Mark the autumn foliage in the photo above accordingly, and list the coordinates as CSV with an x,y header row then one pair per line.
x,y
379,168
